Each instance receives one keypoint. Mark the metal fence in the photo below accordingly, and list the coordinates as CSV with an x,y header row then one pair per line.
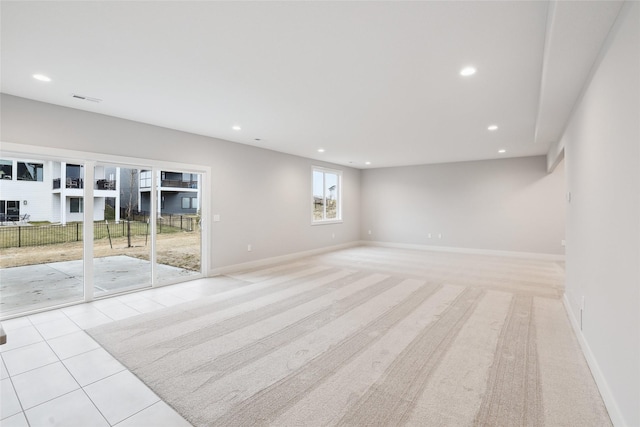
x,y
38,235
172,220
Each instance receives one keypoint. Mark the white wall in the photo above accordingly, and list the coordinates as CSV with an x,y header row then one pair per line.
x,y
503,205
602,155
263,197
55,215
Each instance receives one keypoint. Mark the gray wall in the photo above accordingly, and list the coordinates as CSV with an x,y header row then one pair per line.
x,y
602,156
173,203
504,205
263,197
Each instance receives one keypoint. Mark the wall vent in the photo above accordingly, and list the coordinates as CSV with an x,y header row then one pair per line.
x,y
86,98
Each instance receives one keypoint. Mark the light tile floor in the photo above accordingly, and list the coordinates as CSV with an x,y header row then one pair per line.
x,y
53,373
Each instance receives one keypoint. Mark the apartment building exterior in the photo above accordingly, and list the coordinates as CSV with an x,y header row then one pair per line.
x,y
178,192
37,190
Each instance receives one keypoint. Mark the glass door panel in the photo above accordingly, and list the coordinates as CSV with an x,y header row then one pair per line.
x,y
178,236
41,234
122,241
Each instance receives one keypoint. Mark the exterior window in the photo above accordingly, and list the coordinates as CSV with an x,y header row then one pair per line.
x,y
76,205
326,195
30,171
189,180
10,210
189,203
6,169
145,179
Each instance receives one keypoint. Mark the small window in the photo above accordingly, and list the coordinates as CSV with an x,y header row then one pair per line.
x,y
145,179
12,212
189,203
75,171
30,171
6,169
326,206
76,205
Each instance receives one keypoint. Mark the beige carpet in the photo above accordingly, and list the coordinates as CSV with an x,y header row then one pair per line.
x,y
369,336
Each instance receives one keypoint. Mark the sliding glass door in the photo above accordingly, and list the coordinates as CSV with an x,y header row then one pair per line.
x,y
121,241
74,230
178,239
41,234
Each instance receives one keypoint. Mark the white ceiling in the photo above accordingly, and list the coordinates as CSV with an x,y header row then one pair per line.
x,y
366,81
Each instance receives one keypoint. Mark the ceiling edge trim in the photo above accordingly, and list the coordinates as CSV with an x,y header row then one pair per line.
x,y
551,14
604,48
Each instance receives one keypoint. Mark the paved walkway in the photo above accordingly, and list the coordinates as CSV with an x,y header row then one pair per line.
x,y
35,286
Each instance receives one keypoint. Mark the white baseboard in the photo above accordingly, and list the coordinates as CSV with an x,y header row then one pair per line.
x,y
296,255
512,254
278,259
607,396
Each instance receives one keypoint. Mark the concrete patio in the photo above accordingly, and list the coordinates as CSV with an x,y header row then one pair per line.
x,y
37,286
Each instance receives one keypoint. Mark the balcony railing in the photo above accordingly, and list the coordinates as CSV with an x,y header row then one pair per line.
x,y
70,183
105,184
178,183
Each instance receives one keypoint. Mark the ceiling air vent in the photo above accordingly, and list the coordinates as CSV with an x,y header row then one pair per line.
x,y
87,98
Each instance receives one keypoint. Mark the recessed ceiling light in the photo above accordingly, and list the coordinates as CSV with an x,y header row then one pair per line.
x,y
41,77
468,71
493,127
502,151
320,150
367,163
236,127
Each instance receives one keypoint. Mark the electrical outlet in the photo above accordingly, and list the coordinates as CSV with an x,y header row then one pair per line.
x,y
249,248
429,235
333,235
563,242
439,235
369,232
216,218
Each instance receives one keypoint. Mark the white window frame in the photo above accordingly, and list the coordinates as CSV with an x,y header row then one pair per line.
x,y
145,179
338,218
88,160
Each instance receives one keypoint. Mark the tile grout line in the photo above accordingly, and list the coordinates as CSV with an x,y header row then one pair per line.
x,y
13,387
74,378
143,409
48,364
24,413
124,368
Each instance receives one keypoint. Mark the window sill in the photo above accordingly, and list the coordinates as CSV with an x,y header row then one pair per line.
x,y
326,222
